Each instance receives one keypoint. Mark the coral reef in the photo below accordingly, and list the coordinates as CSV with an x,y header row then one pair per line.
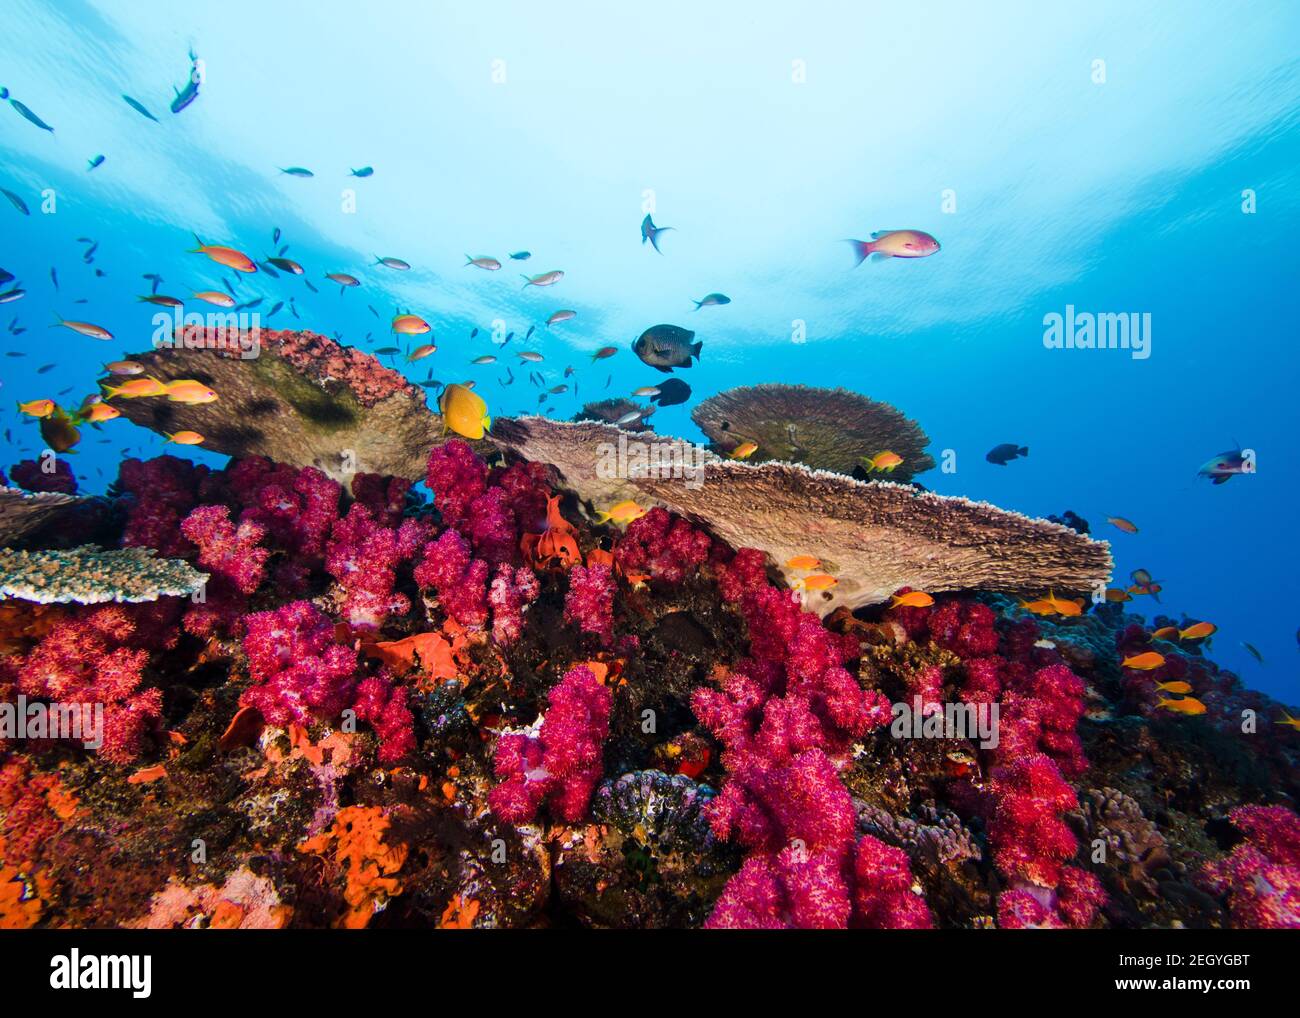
x,y
483,710
826,429
301,400
91,575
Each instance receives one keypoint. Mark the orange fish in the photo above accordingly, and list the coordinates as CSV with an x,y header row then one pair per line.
x,y
912,599
410,325
1289,721
1128,526
189,392
37,407
885,461
1166,633
98,413
420,352
186,438
1187,705
818,581
226,256
804,562
1053,605
1199,631
1174,687
1116,596
137,387
743,451
1145,661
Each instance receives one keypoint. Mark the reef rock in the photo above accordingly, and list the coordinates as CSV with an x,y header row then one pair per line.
x,y
302,400
23,514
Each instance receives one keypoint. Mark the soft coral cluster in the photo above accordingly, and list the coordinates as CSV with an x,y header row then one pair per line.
x,y
784,717
1260,878
300,671
98,655
662,546
561,763
363,555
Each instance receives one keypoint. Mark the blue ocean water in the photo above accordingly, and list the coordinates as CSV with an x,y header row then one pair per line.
x,y
1105,158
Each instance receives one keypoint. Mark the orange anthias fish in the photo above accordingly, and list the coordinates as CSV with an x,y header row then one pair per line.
x,y
1128,526
1116,596
136,388
410,325
98,413
1187,705
743,451
1199,631
1174,687
226,256
624,512
1053,605
1289,721
1145,661
1166,633
186,438
804,562
190,392
420,352
885,461
37,407
815,582
912,599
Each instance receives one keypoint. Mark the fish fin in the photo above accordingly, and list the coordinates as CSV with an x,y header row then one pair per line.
x,y
666,371
880,256
698,304
1024,450
861,248
696,348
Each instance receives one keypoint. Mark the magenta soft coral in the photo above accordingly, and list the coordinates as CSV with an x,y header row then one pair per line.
x,y
512,590
459,580
160,492
382,703
32,476
456,477
662,545
589,603
97,656
364,556
561,764
1260,878
300,671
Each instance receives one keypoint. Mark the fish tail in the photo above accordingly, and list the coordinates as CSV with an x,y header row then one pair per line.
x,y
698,304
696,348
861,250
527,282
1024,450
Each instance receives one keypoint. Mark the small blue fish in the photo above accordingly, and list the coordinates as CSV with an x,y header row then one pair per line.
x,y
297,171
190,92
17,202
651,232
139,108
521,256
30,116
365,171
95,163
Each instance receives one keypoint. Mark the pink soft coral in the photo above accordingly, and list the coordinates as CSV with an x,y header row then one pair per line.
x,y
561,764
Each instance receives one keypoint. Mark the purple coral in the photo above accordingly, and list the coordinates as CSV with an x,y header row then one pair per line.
x,y
301,672
561,764
363,556
589,603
